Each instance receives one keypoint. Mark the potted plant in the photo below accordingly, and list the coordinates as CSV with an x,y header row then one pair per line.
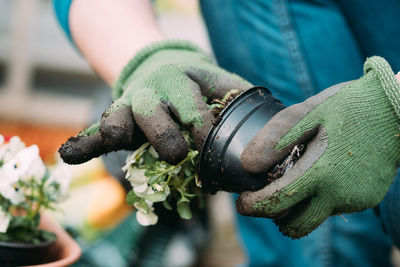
x,y
27,188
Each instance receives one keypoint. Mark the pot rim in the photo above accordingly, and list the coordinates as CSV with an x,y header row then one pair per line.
x,y
24,245
221,115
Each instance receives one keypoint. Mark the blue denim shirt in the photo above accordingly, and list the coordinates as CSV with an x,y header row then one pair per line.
x,y
297,48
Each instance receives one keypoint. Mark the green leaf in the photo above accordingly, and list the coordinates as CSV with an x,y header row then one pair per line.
x,y
184,210
48,236
167,205
183,198
149,160
36,220
193,153
161,165
175,170
153,152
27,235
22,222
149,173
187,172
155,197
153,179
132,198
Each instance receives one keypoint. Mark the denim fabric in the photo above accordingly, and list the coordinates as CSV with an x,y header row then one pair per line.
x,y
390,211
298,48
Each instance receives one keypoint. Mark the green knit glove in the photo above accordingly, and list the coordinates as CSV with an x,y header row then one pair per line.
x,y
165,82
352,137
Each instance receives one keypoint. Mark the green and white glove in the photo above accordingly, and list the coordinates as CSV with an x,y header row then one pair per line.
x,y
165,81
352,138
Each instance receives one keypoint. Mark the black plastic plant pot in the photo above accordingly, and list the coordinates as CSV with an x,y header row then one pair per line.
x,y
238,123
17,254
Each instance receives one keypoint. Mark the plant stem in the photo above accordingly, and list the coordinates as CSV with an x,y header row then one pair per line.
x,y
39,202
171,171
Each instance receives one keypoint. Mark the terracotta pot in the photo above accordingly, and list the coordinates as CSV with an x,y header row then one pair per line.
x,y
64,251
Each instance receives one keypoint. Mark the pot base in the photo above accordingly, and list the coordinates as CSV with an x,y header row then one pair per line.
x,y
239,122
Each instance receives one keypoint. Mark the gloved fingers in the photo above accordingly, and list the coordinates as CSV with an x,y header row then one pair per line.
x,y
296,184
198,122
163,133
101,137
304,218
298,128
87,145
271,201
288,128
117,128
261,155
216,83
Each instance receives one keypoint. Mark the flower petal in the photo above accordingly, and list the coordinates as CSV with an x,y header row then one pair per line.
x,y
145,219
137,177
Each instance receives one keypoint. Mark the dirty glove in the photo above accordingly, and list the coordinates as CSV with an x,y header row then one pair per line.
x,y
352,137
165,81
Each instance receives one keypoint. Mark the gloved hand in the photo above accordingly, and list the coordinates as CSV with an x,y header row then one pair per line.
x,y
163,80
352,137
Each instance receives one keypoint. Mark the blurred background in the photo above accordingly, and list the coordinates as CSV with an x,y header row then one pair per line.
x,y
48,93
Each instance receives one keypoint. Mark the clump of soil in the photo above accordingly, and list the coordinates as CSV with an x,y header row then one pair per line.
x,y
280,169
218,105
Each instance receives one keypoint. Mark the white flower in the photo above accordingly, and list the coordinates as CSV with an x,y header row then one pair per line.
x,y
136,176
160,194
132,158
10,149
9,188
149,218
145,215
59,180
5,219
25,165
127,168
143,190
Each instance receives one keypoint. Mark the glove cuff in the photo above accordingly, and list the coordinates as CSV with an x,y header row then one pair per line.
x,y
145,53
387,79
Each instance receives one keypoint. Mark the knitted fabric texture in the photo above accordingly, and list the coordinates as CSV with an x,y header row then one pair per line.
x,y
143,54
360,161
158,74
170,77
387,78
